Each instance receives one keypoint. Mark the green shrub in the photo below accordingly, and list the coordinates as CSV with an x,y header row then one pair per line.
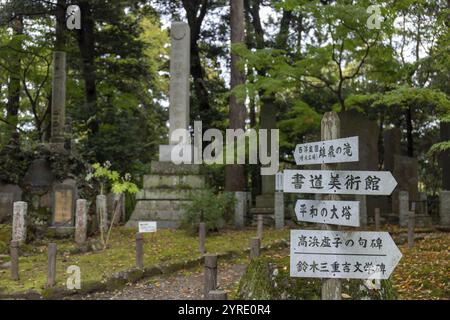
x,y
206,206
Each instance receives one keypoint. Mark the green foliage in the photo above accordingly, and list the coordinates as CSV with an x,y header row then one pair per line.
x,y
107,177
206,206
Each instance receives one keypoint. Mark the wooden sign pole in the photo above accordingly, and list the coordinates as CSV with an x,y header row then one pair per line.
x,y
330,129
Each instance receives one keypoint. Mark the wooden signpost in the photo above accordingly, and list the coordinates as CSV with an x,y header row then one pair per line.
x,y
329,253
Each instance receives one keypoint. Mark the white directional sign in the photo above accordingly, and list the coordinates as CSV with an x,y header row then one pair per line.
x,y
338,182
328,151
147,226
336,254
344,213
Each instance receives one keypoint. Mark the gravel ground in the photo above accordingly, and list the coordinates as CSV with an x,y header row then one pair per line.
x,y
184,285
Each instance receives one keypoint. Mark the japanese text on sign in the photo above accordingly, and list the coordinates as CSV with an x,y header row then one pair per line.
x,y
329,151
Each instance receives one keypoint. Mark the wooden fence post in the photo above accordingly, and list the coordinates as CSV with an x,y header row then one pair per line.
x,y
51,272
14,251
210,274
260,226
255,244
330,129
217,295
202,237
139,250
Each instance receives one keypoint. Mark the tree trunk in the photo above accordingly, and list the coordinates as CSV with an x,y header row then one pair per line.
x,y
235,174
60,13
13,105
86,44
409,136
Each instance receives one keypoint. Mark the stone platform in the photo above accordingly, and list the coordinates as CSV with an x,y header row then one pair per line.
x,y
164,193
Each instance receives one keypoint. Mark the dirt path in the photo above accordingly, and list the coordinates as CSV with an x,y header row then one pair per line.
x,y
184,285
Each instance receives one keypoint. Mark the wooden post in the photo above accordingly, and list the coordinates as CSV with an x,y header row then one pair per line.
x,y
255,244
14,251
330,129
217,295
51,272
260,226
201,237
139,250
377,218
210,274
411,223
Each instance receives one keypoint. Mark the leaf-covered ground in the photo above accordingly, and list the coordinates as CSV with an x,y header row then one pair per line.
x,y
424,271
164,246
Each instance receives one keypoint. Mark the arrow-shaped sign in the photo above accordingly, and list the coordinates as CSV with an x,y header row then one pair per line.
x,y
343,213
338,182
336,254
328,151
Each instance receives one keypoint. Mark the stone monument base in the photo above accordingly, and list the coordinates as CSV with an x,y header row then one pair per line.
x,y
264,205
165,192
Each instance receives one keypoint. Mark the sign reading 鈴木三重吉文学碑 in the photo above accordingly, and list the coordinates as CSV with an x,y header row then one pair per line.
x,y
328,151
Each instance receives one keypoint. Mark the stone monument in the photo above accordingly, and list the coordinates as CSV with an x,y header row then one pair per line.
x,y
169,185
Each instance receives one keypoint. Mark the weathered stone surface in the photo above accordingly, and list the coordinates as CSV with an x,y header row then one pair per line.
x,y
392,147
81,221
39,175
174,181
406,172
19,228
163,194
444,211
240,209
102,212
279,210
158,167
15,190
6,206
403,208
64,197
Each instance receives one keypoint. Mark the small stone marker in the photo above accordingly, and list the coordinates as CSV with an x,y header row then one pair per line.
x,y
444,208
328,151
210,280
411,224
139,251
201,237
255,244
102,213
403,207
19,232
81,221
14,250
345,213
340,254
217,295
260,226
279,210
51,271
240,209
377,218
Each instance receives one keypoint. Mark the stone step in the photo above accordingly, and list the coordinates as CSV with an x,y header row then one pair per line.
x,y
141,214
163,194
169,168
161,204
174,181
